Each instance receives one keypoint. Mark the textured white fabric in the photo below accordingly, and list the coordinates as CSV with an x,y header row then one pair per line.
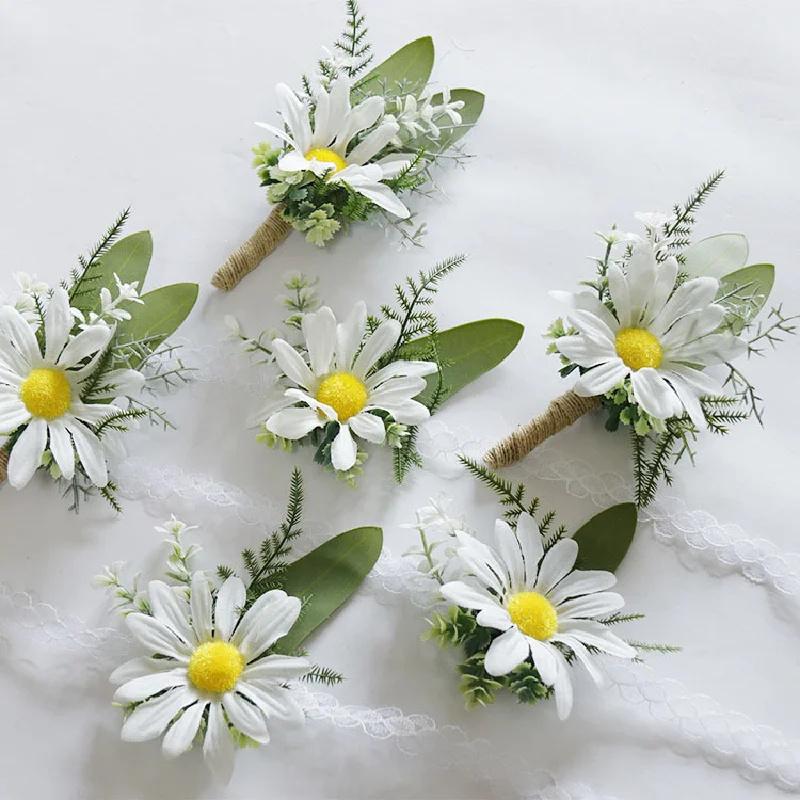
x,y
593,111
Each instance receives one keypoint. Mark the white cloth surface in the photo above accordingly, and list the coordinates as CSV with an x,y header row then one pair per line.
x,y
594,111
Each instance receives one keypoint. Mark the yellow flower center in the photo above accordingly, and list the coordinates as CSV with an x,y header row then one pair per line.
x,y
215,667
534,615
344,393
323,154
638,348
46,393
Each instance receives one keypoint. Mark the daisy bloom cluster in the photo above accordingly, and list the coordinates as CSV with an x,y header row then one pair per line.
x,y
523,613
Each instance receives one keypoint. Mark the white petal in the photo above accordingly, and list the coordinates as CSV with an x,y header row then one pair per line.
x,y
58,323
93,412
26,455
368,426
398,369
509,551
85,344
383,339
392,165
182,733
277,668
343,450
280,134
482,562
588,302
620,295
292,364
246,717
690,385
583,656
295,115
382,196
296,162
149,720
275,403
466,596
530,540
397,390
592,605
13,367
12,412
218,747
266,621
157,638
654,394
89,450
545,659
349,336
494,617
319,331
373,143
558,562
230,600
358,119
641,279
275,702
200,603
20,334
146,686
581,582
123,382
603,640
563,688
586,352
170,609
592,327
690,296
136,668
689,398
692,326
662,289
407,412
714,349
299,396
507,651
330,112
294,423
601,379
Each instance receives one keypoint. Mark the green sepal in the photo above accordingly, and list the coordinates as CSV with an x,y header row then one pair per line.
x,y
410,66
326,578
604,540
756,281
466,352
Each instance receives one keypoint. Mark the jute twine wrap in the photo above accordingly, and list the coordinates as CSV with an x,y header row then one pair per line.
x,y
561,413
252,252
4,456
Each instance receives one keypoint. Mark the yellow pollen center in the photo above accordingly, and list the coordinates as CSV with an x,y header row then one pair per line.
x,y
46,393
215,667
323,154
638,348
534,615
344,393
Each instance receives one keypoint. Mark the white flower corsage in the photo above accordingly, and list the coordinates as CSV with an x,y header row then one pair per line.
x,y
653,339
531,605
219,656
368,379
351,144
75,361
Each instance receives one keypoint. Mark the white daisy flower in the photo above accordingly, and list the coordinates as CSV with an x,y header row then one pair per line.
x,y
324,150
658,335
338,383
204,671
45,392
544,607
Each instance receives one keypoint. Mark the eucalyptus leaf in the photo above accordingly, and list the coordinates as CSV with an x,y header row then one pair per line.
x,y
409,68
163,312
604,540
717,255
327,577
467,351
129,259
748,290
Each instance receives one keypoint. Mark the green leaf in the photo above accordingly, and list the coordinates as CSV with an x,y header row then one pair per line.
x,y
604,540
410,67
327,577
473,107
752,286
161,315
129,258
467,351
717,255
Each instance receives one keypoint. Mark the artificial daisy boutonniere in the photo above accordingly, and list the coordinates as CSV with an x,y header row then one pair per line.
x,y
657,339
531,604
221,654
342,384
77,363
352,143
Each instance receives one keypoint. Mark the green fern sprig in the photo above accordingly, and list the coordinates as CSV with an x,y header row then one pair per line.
x,y
616,619
680,230
664,649
353,43
86,274
323,675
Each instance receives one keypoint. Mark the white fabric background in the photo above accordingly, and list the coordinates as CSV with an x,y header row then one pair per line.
x,y
594,110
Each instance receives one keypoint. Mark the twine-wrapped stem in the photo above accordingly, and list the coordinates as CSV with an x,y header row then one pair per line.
x,y
252,252
4,456
561,413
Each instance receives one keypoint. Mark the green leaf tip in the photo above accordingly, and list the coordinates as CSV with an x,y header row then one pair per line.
x,y
604,540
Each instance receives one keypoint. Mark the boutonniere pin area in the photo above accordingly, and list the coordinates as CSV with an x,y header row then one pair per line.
x,y
657,340
77,363
530,604
220,654
344,383
351,145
